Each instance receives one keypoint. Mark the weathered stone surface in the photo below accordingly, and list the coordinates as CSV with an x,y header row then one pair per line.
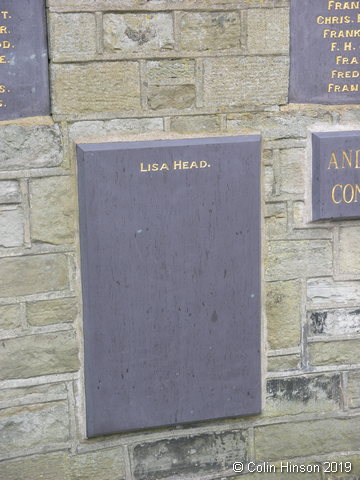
x,y
284,362
72,33
334,353
268,30
132,33
11,226
355,468
33,426
209,30
40,355
171,96
324,291
205,454
9,192
283,313
112,127
236,81
291,171
32,146
52,210
276,219
10,316
342,321
62,310
354,389
94,87
101,465
269,181
195,124
285,259
11,397
293,395
170,72
289,440
298,213
33,274
348,260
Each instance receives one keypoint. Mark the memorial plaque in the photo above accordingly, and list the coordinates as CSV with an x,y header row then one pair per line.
x,y
324,52
24,85
336,175
170,256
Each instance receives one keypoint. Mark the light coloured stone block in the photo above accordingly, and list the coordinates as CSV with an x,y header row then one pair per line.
x,y
11,397
276,219
268,30
52,210
72,33
30,146
9,192
354,389
324,291
209,30
291,171
334,353
62,310
342,321
245,81
112,127
348,260
284,362
11,226
33,274
138,33
9,317
195,124
283,313
170,72
96,87
171,97
40,355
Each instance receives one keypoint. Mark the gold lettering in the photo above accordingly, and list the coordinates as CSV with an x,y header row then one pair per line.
x,y
357,159
352,193
333,193
2,88
333,161
4,14
194,165
2,59
346,157
3,29
177,165
164,166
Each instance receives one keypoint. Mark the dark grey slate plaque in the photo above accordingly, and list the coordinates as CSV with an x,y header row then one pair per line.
x,y
24,85
336,175
324,51
171,281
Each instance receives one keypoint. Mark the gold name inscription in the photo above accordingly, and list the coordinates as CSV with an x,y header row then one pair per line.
x,y
179,165
348,193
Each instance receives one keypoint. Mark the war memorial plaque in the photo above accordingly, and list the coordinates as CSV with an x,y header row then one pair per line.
x,y
170,256
324,52
24,84
336,175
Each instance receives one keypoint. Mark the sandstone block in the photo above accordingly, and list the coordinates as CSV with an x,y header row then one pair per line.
x,y
284,362
209,30
348,260
52,210
170,72
40,355
32,146
9,191
133,33
292,171
342,321
354,389
334,353
276,219
112,127
9,317
11,226
171,96
283,313
94,87
11,397
33,274
268,30
325,291
72,33
195,124
47,312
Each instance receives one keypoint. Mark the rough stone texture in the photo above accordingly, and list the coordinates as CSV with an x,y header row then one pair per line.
x,y
349,250
101,465
33,274
334,353
9,317
206,453
63,310
93,87
171,96
33,394
133,33
9,192
113,127
355,468
284,362
288,396
285,259
52,210
11,227
209,30
170,72
342,321
29,146
324,291
283,313
195,124
289,440
33,426
268,30
276,219
291,171
354,389
72,33
40,355
298,213
245,80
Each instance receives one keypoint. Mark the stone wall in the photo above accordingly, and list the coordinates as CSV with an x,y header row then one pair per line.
x,y
140,69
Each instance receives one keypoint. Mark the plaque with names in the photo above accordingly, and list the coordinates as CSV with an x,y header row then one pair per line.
x,y
24,84
324,52
170,258
336,175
